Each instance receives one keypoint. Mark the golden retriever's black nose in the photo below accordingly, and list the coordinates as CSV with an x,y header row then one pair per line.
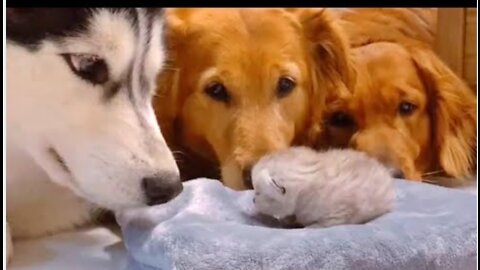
x,y
247,177
398,174
161,189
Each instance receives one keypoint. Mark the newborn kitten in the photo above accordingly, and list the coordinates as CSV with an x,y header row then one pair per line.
x,y
322,189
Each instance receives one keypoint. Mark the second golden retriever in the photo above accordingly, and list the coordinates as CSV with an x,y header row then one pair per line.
x,y
409,110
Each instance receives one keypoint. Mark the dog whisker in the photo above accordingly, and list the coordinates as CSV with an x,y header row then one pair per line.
x,y
159,94
432,173
170,68
430,181
179,156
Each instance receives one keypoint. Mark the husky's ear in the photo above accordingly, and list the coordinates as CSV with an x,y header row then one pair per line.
x,y
453,113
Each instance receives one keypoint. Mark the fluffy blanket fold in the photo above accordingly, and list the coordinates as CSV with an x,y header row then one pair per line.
x,y
211,227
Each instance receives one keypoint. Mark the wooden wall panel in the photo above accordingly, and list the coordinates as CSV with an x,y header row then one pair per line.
x,y
451,37
470,54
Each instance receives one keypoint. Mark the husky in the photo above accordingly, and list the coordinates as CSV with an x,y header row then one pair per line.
x,y
81,130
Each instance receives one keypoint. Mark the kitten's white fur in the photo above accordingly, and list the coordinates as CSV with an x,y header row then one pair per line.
x,y
322,189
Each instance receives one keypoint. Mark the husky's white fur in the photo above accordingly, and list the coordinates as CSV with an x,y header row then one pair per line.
x,y
101,149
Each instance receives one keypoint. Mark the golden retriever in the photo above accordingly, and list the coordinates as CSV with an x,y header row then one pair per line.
x,y
245,82
409,110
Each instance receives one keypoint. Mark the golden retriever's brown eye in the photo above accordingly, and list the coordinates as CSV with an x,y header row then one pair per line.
x,y
406,108
285,86
218,92
88,67
341,119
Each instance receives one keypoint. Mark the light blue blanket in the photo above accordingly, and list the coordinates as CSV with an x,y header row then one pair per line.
x,y
212,227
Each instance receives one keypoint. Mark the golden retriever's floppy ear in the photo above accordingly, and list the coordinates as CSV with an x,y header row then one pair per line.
x,y
453,113
333,72
175,19
176,28
167,91
166,99
330,46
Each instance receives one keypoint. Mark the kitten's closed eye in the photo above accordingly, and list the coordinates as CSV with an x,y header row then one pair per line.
x,y
282,189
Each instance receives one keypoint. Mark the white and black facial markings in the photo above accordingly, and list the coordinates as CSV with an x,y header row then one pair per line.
x,y
148,31
117,66
29,27
103,65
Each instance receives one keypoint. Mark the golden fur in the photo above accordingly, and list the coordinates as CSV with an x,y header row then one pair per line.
x,y
439,134
367,25
247,51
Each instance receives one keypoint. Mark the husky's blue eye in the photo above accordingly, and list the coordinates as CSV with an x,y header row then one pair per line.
x,y
285,86
218,92
88,67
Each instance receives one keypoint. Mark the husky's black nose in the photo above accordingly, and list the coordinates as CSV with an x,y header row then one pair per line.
x,y
162,188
